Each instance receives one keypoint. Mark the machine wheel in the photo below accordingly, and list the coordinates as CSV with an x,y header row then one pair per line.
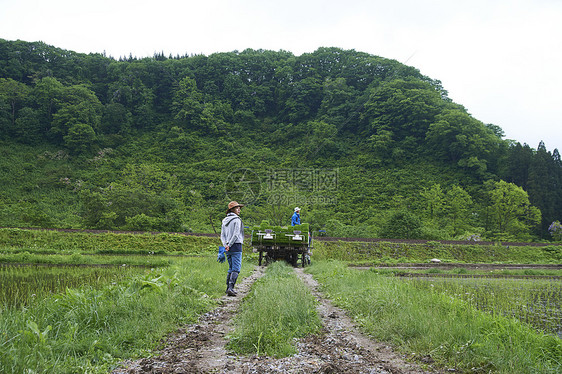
x,y
291,259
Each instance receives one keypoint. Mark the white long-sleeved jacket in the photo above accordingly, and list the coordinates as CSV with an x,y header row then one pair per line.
x,y
232,230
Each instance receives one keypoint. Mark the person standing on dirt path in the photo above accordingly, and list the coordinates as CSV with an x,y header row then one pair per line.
x,y
232,237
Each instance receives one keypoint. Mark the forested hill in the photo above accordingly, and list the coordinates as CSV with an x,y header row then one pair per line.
x,y
366,146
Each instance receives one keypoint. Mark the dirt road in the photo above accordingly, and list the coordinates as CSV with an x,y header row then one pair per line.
x,y
339,348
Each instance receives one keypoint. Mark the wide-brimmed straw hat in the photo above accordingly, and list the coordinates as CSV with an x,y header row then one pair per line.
x,y
233,204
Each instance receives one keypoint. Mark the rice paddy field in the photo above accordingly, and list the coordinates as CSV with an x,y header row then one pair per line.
x,y
535,302
21,285
52,284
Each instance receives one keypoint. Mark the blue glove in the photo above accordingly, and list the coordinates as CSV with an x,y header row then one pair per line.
x,y
221,257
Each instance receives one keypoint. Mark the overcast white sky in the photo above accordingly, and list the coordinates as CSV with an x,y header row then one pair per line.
x,y
501,59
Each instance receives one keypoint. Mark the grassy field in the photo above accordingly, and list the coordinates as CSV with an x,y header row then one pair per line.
x,y
440,326
114,296
20,286
79,302
393,253
61,242
537,303
89,329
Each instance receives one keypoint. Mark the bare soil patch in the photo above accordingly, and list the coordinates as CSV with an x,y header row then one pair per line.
x,y
339,348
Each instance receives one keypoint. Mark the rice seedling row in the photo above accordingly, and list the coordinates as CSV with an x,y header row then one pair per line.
x,y
535,302
22,285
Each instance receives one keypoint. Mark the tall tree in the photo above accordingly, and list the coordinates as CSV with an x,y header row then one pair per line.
x,y
542,185
459,138
338,104
434,201
511,211
80,138
28,126
403,107
48,95
517,164
458,203
188,103
14,94
78,105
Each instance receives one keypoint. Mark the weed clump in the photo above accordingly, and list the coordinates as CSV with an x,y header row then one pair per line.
x,y
278,309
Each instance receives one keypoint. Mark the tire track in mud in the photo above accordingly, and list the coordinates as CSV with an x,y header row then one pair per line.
x,y
338,348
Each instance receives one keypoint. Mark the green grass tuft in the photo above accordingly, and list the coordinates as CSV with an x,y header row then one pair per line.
x,y
278,309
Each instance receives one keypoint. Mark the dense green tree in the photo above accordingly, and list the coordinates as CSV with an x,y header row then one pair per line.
x,y
239,92
518,161
457,208
433,200
78,105
48,95
557,180
402,225
543,185
459,138
304,99
188,103
116,119
146,194
5,120
128,89
28,126
14,94
246,119
320,141
510,209
337,105
80,138
402,110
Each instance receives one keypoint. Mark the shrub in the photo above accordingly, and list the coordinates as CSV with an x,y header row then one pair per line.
x,y
80,138
555,230
402,225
